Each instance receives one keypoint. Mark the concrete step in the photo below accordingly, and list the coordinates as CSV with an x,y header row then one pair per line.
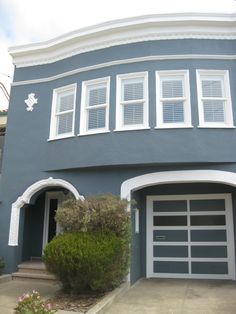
x,y
32,267
33,276
33,270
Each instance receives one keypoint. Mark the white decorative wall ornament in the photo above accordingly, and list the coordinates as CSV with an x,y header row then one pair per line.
x,y
31,101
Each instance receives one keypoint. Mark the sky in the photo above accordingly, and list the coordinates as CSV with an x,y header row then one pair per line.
x,y
28,21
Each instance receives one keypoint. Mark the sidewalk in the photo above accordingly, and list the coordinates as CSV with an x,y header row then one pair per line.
x,y
11,290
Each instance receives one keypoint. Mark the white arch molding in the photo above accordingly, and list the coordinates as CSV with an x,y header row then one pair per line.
x,y
185,176
25,199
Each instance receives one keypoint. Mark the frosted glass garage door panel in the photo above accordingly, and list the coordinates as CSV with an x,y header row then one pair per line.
x,y
208,235
209,251
170,267
170,206
170,235
170,251
219,268
207,205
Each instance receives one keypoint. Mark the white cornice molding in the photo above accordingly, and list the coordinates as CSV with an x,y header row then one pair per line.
x,y
124,31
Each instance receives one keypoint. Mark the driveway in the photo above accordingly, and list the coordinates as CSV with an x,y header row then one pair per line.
x,y
177,296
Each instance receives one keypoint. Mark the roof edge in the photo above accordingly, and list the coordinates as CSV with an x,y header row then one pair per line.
x,y
111,33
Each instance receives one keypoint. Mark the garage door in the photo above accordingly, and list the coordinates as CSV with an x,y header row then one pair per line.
x,y
190,236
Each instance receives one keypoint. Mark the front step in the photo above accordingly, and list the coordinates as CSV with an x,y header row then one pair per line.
x,y
33,270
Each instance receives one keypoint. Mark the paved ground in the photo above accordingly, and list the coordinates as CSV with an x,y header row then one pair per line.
x,y
9,291
177,296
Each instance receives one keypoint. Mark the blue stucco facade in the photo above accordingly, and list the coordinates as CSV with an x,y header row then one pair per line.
x,y
100,163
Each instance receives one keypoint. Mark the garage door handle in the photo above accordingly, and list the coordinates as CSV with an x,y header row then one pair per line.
x,y
160,237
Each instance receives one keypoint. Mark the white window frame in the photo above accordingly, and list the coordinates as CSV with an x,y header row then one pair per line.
x,y
84,109
119,110
186,99
53,124
224,75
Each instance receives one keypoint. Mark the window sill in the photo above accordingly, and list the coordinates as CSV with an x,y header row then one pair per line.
x,y
174,127
216,127
93,133
132,129
60,138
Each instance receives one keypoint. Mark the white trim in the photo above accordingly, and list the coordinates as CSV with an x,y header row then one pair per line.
x,y
49,196
228,212
223,243
53,124
136,217
183,176
84,113
224,76
119,112
25,199
124,31
184,74
125,61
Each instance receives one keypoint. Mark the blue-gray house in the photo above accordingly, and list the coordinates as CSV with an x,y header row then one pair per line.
x,y
144,108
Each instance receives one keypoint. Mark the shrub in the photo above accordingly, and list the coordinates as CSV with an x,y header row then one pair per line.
x,y
106,213
2,265
88,261
30,303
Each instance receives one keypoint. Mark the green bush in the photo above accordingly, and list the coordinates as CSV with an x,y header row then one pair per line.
x,y
88,261
106,213
2,265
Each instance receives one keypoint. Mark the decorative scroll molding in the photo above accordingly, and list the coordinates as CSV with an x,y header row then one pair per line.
x,y
31,101
25,199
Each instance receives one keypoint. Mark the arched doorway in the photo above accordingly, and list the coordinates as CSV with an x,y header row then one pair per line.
x,y
26,197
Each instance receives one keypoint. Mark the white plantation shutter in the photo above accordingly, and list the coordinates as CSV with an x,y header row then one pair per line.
x,y
213,111
64,123
172,98
97,95
97,118
212,88
132,89
173,112
96,106
65,112
172,88
66,102
212,100
132,100
133,114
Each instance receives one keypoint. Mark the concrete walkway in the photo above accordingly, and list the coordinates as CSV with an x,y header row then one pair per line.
x,y
11,290
177,296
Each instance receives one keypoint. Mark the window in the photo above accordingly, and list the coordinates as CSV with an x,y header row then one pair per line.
x,y
63,111
95,106
132,101
214,101
173,99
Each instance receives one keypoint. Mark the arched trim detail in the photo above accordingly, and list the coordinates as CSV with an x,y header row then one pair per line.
x,y
25,199
185,176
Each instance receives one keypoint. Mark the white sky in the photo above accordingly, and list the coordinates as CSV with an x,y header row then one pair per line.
x,y
27,21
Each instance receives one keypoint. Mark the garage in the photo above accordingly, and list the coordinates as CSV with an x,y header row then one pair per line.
x,y
190,236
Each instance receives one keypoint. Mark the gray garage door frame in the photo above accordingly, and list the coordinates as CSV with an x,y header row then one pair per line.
x,y
190,236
